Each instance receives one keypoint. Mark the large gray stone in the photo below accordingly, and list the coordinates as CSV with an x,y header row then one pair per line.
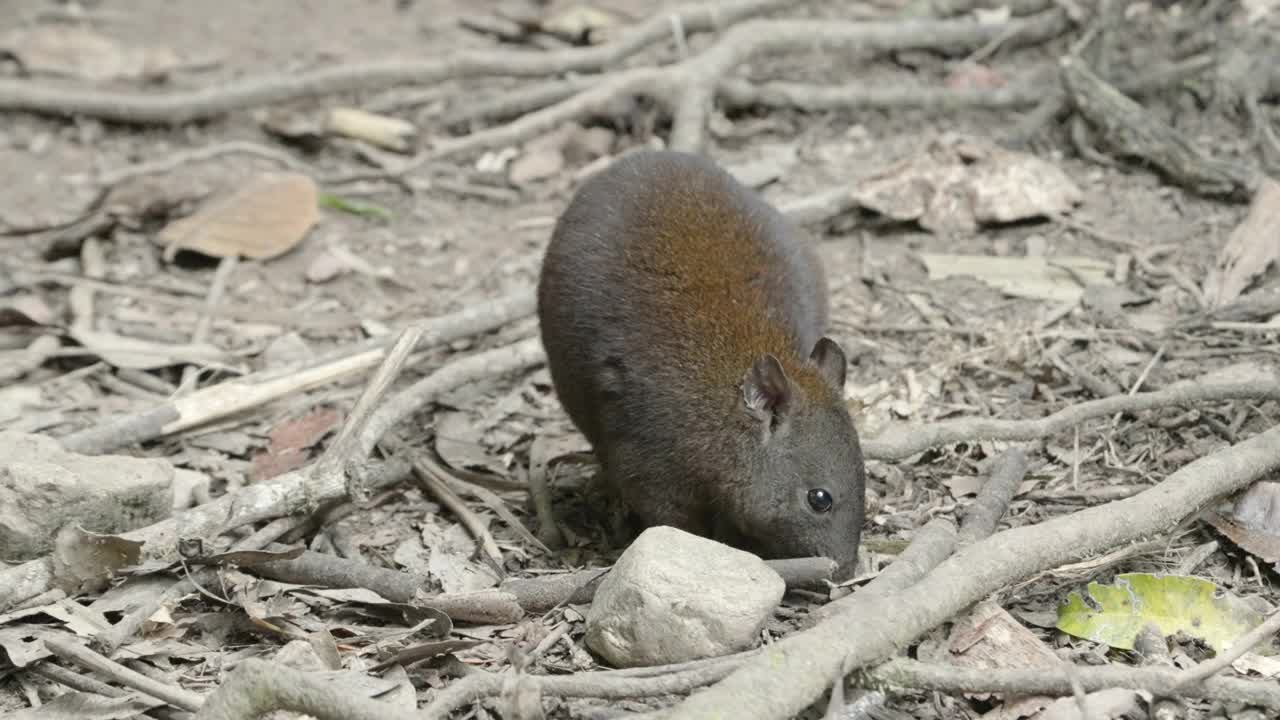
x,y
43,487
674,597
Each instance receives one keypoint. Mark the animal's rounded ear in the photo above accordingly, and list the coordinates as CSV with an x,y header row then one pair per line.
x,y
830,360
766,389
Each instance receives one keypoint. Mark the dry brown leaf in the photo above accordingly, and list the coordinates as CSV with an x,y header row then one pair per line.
x,y
1252,249
957,182
1259,508
84,560
306,430
76,51
989,637
262,219
1254,523
290,441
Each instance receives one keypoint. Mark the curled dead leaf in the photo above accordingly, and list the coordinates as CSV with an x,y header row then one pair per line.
x,y
291,439
75,51
959,182
85,560
1254,522
1252,249
262,219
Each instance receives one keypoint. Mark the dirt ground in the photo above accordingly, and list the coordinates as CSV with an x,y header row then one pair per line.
x,y
924,348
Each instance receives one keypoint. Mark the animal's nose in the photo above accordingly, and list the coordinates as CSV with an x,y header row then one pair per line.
x,y
846,569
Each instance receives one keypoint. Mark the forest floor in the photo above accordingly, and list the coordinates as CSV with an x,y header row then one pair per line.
x,y
1000,244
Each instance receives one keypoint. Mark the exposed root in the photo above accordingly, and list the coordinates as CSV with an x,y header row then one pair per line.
x,y
175,108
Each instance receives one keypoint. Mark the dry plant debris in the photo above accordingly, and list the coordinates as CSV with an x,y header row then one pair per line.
x,y
1065,322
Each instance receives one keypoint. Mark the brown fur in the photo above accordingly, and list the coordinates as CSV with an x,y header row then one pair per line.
x,y
664,281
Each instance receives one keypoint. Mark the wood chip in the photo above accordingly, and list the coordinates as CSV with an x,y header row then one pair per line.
x,y
385,132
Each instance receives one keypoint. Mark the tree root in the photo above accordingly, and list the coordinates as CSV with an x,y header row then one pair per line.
x,y
899,442
794,672
256,687
1043,681
64,646
180,107
688,88
1130,130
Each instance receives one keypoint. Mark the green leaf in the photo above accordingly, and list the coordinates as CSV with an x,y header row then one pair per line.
x,y
1114,614
366,210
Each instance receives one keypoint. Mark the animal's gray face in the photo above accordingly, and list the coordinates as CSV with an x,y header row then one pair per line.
x,y
806,496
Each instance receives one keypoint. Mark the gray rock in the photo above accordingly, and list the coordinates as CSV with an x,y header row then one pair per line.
x,y
43,487
674,597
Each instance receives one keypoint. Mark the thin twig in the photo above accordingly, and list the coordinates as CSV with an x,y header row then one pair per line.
x,y
250,391
698,78
182,106
1209,668
118,175
217,288
437,487
797,668
75,681
433,462
898,442
500,361
65,647
916,675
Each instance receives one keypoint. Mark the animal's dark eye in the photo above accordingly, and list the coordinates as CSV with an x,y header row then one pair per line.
x,y
820,500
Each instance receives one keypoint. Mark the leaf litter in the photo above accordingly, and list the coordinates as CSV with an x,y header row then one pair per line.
x,y
976,357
